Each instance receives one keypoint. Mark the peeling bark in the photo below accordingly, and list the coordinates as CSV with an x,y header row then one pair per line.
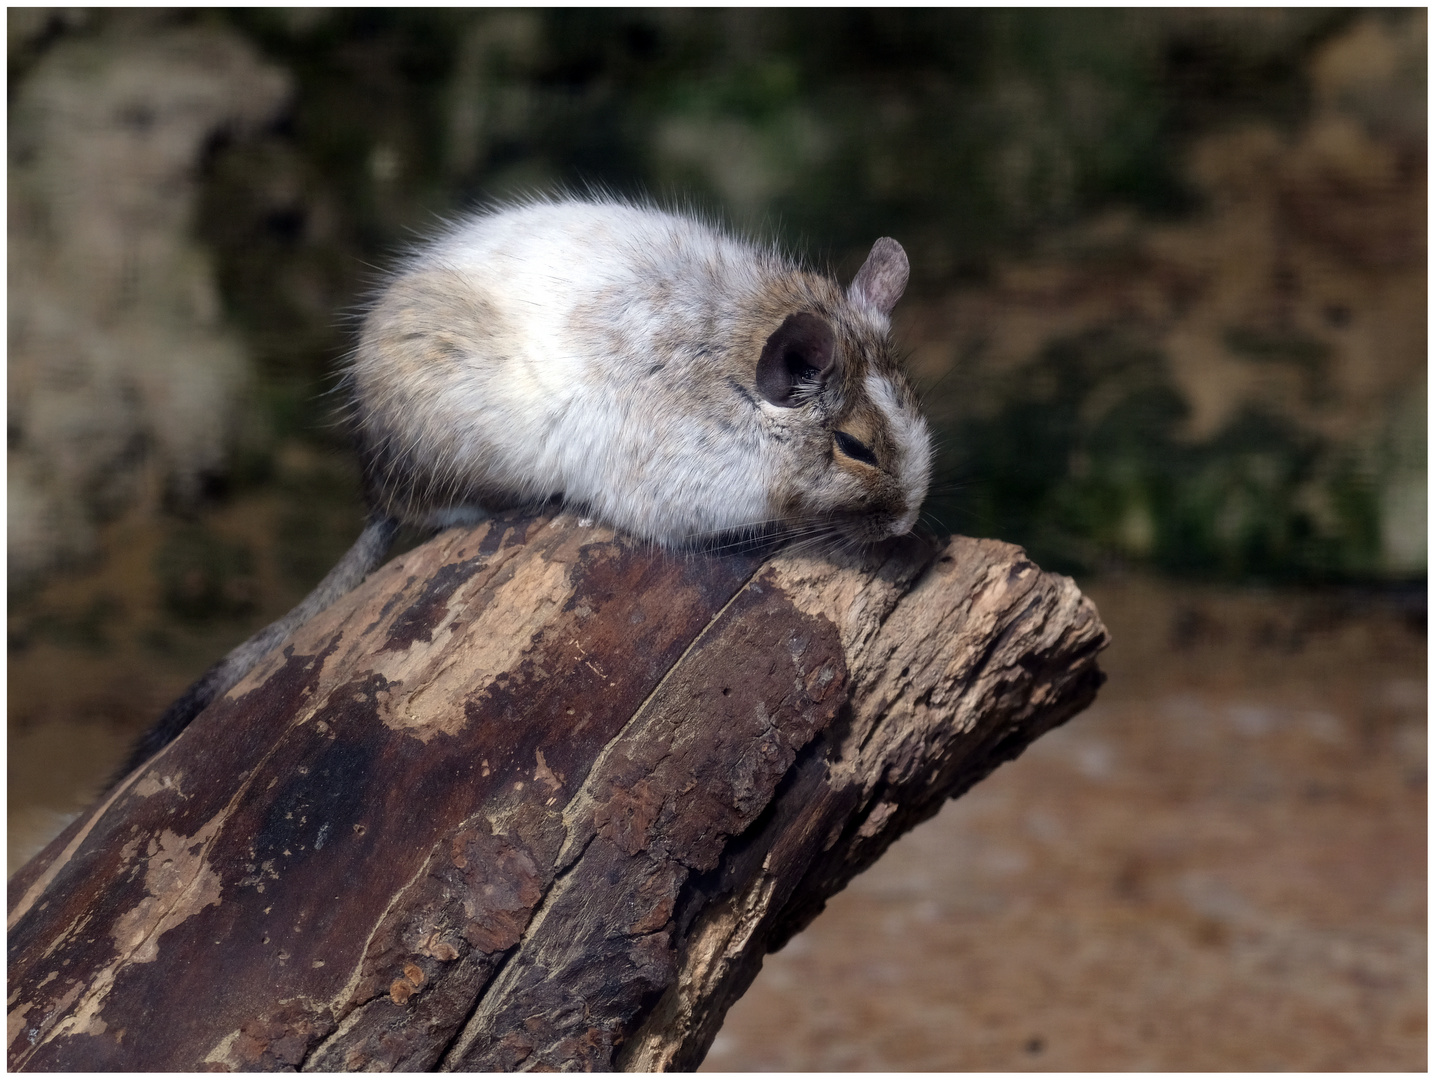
x,y
532,797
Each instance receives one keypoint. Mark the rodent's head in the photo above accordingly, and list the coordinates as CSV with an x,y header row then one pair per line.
x,y
860,452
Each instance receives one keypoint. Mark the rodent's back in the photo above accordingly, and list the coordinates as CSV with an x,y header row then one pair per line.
x,y
597,351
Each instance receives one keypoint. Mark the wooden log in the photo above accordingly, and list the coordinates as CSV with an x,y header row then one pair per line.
x,y
532,797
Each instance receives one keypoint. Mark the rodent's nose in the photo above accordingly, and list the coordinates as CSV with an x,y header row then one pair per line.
x,y
904,524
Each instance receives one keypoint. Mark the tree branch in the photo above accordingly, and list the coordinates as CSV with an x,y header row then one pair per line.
x,y
532,797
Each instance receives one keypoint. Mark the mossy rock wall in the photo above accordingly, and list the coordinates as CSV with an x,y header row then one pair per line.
x,y
1168,267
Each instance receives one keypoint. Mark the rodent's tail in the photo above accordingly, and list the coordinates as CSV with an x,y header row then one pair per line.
x,y
365,554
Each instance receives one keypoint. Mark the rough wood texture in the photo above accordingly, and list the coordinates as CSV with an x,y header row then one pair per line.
x,y
532,797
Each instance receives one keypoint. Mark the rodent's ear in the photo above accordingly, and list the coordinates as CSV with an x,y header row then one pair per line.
x,y
883,276
801,350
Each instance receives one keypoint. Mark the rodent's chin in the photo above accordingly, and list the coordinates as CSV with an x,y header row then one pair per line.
x,y
873,529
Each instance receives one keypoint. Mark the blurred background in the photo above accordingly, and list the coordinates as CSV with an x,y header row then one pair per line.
x,y
1168,316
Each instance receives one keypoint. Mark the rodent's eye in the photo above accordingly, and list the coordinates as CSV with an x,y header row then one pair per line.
x,y
854,449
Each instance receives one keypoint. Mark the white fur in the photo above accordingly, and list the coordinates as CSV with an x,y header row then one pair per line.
x,y
914,454
567,410
537,264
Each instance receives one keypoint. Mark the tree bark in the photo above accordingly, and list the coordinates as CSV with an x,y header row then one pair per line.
x,y
533,796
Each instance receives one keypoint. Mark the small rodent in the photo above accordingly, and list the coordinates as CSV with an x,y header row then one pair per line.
x,y
645,367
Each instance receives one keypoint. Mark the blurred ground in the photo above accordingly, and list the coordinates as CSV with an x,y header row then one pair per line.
x,y
1220,866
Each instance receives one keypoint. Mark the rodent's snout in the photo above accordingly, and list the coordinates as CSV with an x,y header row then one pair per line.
x,y
904,524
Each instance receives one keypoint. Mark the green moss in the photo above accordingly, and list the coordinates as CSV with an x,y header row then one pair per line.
x,y
90,628
1083,465
203,576
320,519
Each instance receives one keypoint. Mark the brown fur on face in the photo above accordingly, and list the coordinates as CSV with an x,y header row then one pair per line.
x,y
875,494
